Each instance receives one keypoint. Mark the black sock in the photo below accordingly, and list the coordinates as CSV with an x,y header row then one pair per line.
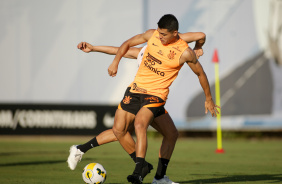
x,y
162,166
87,146
139,165
133,156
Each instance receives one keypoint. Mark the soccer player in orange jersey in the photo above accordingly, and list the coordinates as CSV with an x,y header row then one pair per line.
x,y
158,123
164,56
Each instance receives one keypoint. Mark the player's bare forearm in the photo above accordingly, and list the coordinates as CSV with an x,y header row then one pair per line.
x,y
201,41
105,49
209,103
205,85
113,68
199,71
121,52
199,44
132,53
197,68
193,37
136,40
87,47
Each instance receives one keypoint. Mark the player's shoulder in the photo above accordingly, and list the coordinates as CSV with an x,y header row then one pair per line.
x,y
189,55
150,31
148,34
188,51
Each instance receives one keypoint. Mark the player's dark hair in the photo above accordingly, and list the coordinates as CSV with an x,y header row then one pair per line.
x,y
168,22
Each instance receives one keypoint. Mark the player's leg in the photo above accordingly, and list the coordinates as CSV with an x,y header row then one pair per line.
x,y
103,138
107,136
166,127
142,121
123,120
77,151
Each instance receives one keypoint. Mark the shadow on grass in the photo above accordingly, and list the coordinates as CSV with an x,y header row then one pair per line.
x,y
263,178
272,178
36,163
29,153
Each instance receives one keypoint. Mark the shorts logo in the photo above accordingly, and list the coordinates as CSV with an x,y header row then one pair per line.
x,y
171,54
127,99
153,99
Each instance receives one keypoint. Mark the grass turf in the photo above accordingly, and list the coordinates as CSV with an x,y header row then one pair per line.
x,y
42,160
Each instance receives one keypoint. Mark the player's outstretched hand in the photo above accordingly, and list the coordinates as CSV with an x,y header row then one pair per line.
x,y
112,70
210,106
85,47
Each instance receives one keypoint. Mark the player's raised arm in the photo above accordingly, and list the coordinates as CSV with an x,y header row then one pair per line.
x,y
193,37
136,40
197,68
132,53
198,37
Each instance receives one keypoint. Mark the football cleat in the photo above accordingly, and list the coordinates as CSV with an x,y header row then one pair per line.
x,y
146,169
135,179
164,180
74,157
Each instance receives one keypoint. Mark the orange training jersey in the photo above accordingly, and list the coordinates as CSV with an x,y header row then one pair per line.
x,y
159,67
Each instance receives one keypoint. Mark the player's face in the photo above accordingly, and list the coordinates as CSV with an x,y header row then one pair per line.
x,y
167,37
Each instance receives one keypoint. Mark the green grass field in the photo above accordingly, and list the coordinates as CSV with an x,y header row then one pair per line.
x,y
42,160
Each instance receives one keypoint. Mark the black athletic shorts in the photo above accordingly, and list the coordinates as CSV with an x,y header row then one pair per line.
x,y
133,102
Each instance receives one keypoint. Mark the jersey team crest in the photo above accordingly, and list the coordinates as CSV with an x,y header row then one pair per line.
x,y
171,55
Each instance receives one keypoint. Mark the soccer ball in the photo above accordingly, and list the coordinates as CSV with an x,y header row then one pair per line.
x,y
94,173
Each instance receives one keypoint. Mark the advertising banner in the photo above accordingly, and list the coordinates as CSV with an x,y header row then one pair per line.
x,y
52,119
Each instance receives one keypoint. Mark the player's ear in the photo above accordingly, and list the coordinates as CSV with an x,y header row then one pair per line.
x,y
175,33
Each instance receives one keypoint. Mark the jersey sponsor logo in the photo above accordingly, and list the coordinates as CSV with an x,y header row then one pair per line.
x,y
152,99
152,59
136,88
155,70
126,99
160,52
154,44
177,48
171,54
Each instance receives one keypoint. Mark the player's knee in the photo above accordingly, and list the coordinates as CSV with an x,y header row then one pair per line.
x,y
114,139
139,126
173,136
119,132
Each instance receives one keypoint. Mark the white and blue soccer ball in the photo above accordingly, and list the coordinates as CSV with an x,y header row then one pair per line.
x,y
94,173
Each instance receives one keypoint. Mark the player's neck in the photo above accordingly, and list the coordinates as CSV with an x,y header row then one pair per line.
x,y
174,40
